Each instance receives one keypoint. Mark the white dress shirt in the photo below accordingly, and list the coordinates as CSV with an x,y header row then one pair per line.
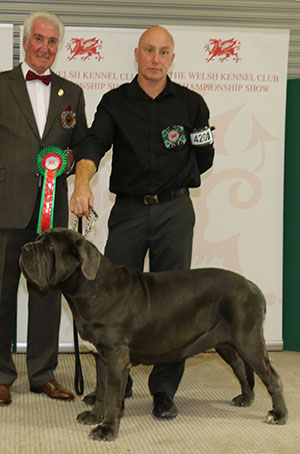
x,y
39,94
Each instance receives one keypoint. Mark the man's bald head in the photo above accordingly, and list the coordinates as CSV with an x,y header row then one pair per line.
x,y
157,32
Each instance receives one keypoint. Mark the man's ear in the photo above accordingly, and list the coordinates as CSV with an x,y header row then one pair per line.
x,y
25,44
136,54
89,258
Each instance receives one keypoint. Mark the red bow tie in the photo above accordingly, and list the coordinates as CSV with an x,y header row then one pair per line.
x,y
32,76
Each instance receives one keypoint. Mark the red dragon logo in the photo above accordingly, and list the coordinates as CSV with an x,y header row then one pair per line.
x,y
223,49
85,48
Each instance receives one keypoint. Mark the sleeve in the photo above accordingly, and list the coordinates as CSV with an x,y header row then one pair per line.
x,y
99,137
80,129
204,153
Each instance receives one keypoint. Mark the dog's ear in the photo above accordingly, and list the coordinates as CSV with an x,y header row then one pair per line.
x,y
89,258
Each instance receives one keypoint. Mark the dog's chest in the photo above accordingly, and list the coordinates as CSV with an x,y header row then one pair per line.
x,y
85,329
88,336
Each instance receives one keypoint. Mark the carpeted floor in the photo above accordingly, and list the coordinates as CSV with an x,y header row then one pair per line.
x,y
206,424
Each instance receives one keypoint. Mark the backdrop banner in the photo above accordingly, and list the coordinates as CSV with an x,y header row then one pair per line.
x,y
6,36
239,207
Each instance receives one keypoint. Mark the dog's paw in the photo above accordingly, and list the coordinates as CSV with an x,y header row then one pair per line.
x,y
242,400
273,417
105,433
88,417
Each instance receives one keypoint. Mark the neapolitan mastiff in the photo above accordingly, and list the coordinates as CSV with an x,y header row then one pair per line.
x,y
152,318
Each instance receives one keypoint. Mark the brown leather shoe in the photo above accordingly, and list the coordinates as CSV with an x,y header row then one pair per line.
x,y
54,390
5,398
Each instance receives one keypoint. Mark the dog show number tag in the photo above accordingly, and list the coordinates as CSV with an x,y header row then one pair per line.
x,y
202,137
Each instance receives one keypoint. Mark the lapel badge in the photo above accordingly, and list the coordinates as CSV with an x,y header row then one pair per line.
x,y
60,92
68,118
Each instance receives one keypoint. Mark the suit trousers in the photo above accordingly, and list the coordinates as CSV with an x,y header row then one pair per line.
x,y
165,230
44,312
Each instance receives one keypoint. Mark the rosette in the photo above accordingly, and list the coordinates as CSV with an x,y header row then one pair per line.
x,y
173,136
51,162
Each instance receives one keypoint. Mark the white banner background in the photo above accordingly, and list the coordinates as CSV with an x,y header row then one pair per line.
x,y
239,207
6,36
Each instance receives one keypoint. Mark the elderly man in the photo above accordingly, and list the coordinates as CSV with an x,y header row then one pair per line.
x,y
37,109
161,144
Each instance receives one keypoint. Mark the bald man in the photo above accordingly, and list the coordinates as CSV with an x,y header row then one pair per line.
x,y
155,127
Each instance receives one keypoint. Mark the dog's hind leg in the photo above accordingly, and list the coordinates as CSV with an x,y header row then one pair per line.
x,y
242,371
253,352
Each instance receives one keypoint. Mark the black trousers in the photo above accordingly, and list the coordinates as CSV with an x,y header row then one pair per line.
x,y
165,230
44,312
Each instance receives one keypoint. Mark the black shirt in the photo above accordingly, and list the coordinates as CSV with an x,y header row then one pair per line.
x,y
133,122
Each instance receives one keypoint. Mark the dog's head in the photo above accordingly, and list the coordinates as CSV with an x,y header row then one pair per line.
x,y
55,256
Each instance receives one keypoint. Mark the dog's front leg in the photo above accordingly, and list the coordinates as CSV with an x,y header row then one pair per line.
x,y
96,415
117,365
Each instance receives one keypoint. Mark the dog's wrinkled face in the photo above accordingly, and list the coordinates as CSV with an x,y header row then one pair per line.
x,y
55,255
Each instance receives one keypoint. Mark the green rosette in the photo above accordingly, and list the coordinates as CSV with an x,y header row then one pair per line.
x,y
41,157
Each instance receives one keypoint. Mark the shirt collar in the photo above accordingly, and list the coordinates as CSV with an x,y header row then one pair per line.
x,y
25,68
135,91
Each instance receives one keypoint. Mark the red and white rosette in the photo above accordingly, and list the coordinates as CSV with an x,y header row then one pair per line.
x,y
51,163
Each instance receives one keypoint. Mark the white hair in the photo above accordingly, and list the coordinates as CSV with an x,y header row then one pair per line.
x,y
43,14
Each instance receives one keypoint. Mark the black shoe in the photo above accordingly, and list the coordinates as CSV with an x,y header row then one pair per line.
x,y
90,399
164,407
128,390
128,393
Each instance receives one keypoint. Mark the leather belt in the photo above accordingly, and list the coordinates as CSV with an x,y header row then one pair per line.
x,y
153,199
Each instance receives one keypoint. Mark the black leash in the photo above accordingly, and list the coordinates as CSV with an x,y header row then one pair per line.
x,y
78,379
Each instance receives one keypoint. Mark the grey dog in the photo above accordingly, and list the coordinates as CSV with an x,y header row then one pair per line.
x,y
153,318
